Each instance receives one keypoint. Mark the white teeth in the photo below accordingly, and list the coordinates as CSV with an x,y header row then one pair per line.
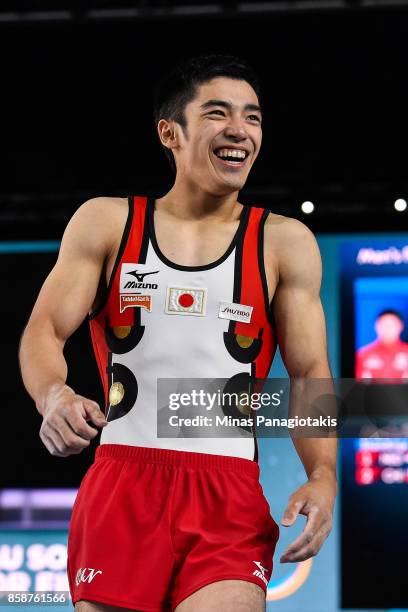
x,y
237,154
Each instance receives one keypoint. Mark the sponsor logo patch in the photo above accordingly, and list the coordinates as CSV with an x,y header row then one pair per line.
x,y
235,312
136,286
144,301
186,301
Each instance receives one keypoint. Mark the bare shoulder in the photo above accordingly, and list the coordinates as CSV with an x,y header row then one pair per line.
x,y
284,228
97,224
101,210
293,244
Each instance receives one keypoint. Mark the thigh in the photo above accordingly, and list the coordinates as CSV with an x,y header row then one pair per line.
x,y
93,606
228,595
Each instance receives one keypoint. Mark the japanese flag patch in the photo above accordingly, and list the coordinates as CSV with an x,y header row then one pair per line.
x,y
186,301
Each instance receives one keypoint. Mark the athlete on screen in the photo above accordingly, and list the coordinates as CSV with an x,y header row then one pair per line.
x,y
387,355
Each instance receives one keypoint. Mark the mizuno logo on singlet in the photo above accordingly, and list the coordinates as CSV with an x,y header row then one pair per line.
x,y
127,286
134,285
135,293
140,275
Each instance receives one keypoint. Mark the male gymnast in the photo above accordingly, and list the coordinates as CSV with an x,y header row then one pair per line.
x,y
189,285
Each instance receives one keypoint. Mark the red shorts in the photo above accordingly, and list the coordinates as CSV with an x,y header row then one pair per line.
x,y
151,526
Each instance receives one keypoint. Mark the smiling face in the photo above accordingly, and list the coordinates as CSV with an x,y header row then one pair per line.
x,y
389,328
222,138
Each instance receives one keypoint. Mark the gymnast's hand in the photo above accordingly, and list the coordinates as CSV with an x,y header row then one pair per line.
x,y
64,430
315,500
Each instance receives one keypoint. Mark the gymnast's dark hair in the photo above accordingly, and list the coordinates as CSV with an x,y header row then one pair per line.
x,y
179,87
392,312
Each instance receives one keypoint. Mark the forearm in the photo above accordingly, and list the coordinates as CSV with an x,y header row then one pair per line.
x,y
313,390
42,363
318,455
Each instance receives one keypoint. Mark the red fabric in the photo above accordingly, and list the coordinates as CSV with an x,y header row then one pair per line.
x,y
160,524
100,349
380,360
130,253
252,292
111,308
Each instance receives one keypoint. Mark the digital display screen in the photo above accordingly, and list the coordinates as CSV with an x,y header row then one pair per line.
x,y
374,470
381,461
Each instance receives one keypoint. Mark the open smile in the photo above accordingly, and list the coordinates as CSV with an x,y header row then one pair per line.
x,y
231,158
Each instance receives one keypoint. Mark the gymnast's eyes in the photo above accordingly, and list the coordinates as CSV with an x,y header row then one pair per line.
x,y
221,113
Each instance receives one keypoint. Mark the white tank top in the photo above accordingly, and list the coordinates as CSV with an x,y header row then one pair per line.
x,y
161,320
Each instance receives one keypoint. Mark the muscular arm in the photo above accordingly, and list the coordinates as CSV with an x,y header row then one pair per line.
x,y
65,299
301,334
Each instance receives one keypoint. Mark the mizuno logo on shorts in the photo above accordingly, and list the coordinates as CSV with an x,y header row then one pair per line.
x,y
260,572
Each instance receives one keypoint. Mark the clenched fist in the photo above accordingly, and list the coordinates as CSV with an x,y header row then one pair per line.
x,y
64,430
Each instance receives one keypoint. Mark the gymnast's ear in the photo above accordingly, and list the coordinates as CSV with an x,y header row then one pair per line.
x,y
168,133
